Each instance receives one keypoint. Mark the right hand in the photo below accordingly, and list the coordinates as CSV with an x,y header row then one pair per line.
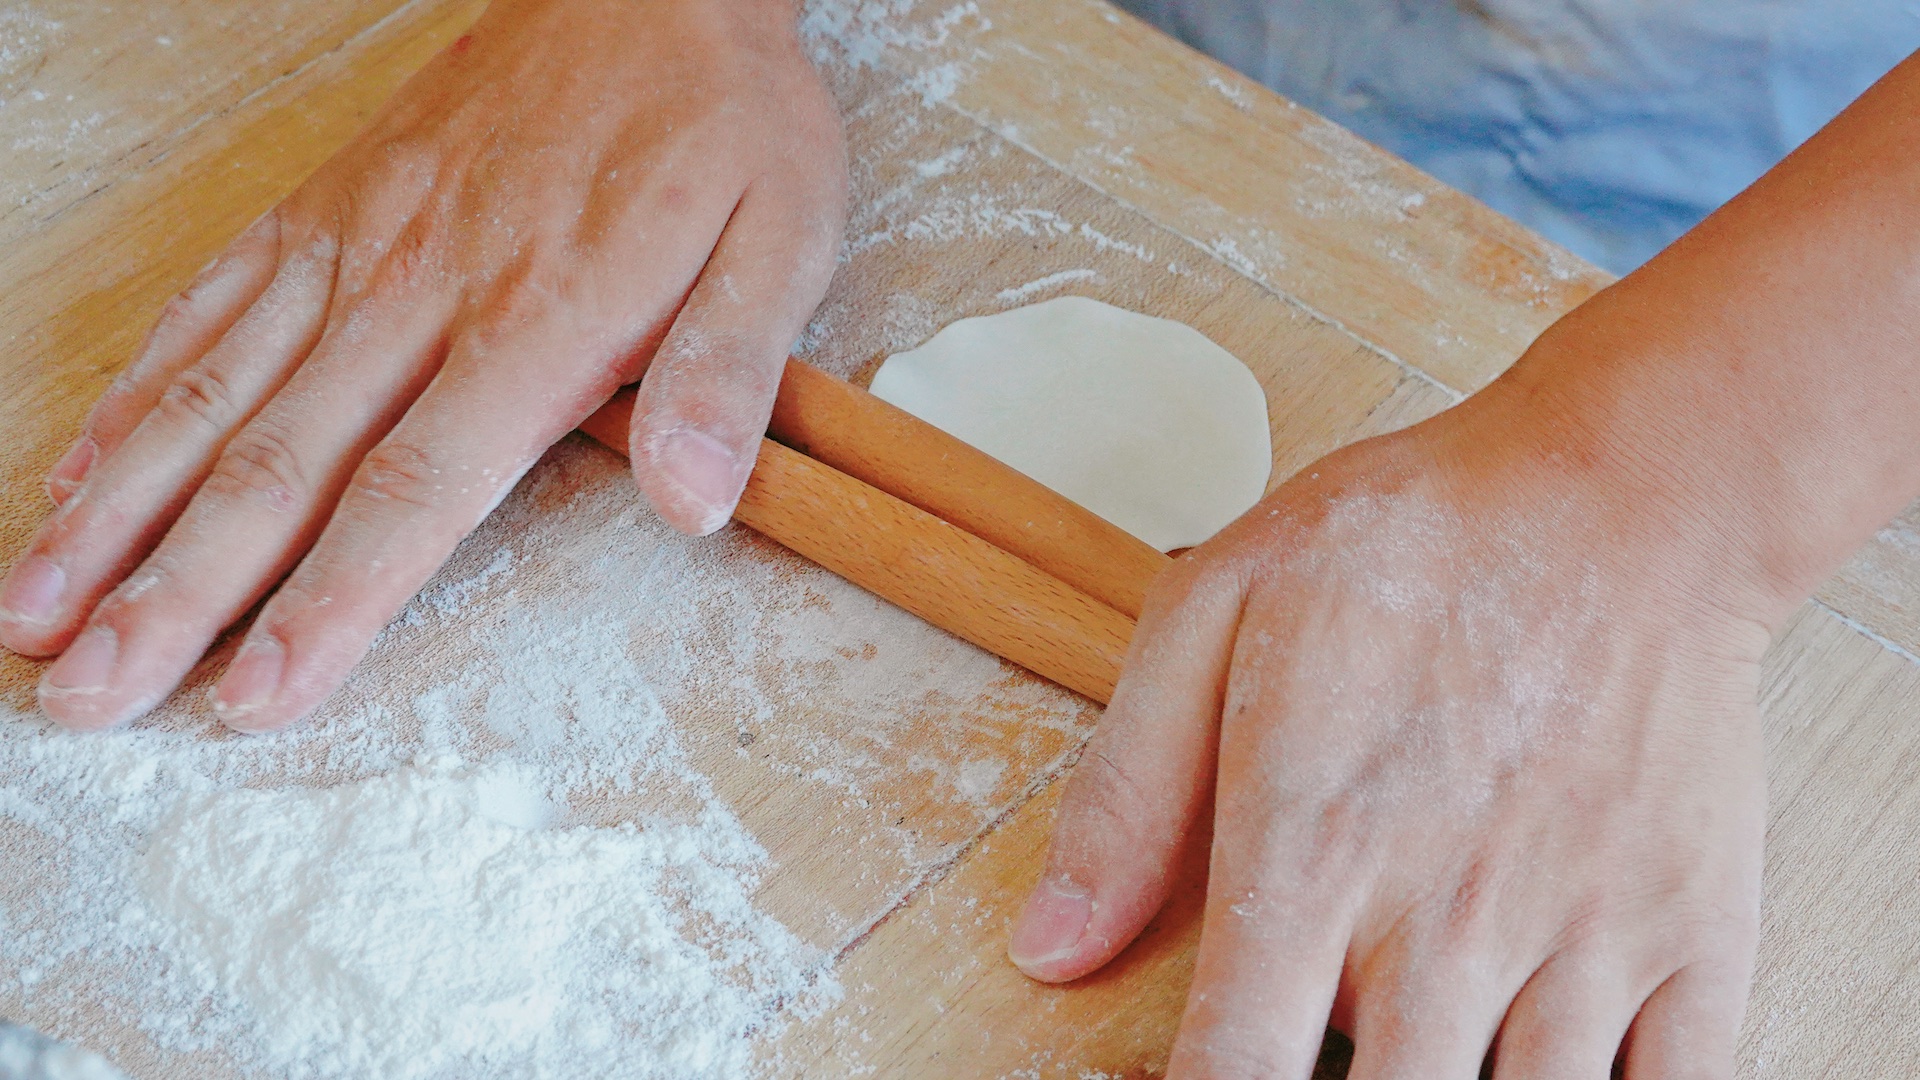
x,y
574,193
1475,733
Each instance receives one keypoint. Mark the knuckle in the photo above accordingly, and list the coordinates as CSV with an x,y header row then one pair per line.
x,y
1469,910
400,256
360,321
200,396
398,472
212,283
414,256
79,522
180,308
393,214
125,386
261,463
119,406
178,319
409,161
1201,578
311,260
526,296
505,313
266,231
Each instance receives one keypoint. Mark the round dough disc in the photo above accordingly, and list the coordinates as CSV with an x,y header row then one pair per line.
x,y
1143,421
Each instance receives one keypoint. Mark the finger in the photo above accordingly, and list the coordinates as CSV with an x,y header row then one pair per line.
x,y
1287,883
262,507
1139,785
479,425
1271,952
94,539
1427,1017
188,326
1568,1020
1689,1027
705,399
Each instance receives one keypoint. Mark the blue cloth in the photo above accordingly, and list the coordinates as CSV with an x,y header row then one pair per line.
x,y
1611,126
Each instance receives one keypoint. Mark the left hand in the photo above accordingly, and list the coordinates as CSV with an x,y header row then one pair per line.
x,y
574,193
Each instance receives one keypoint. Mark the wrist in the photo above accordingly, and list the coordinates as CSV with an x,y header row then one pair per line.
x,y
1641,475
1655,434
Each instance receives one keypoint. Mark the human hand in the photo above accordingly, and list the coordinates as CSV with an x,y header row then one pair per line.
x,y
575,189
1476,720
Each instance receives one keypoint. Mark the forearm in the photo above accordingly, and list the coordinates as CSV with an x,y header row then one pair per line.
x,y
1759,382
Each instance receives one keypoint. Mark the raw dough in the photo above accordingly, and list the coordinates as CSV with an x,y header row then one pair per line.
x,y
1143,421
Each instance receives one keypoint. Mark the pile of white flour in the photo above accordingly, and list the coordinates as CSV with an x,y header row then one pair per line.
x,y
433,919
428,919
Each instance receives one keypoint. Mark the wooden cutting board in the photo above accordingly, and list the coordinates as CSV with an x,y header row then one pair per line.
x,y
1004,151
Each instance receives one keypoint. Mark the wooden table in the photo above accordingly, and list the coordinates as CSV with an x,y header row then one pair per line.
x,y
995,145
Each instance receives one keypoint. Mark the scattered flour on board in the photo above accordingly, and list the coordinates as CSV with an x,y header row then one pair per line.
x,y
25,37
1355,181
940,165
1227,250
29,123
952,215
1020,294
936,84
861,33
1236,95
1896,544
422,922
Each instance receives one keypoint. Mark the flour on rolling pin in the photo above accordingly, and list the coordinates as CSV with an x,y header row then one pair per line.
x,y
1144,421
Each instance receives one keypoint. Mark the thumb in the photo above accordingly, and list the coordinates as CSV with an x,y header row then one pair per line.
x,y
705,399
1140,785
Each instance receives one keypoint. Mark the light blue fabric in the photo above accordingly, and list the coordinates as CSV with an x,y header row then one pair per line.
x,y
1611,126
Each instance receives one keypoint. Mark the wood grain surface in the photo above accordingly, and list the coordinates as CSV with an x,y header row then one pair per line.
x,y
902,781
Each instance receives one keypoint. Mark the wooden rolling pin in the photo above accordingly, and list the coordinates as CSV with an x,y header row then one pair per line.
x,y
948,575
835,422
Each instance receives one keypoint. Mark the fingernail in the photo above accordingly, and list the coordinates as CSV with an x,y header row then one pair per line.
x,y
250,682
1051,925
71,470
703,470
87,665
33,590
